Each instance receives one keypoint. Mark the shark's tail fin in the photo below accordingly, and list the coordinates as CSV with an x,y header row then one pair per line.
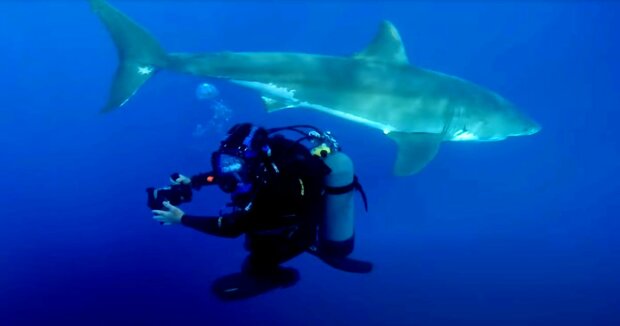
x,y
140,55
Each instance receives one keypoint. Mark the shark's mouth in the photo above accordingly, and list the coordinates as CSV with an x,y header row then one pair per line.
x,y
464,135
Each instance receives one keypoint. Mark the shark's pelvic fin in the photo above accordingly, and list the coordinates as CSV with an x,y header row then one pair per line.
x,y
386,46
272,105
274,97
415,150
140,55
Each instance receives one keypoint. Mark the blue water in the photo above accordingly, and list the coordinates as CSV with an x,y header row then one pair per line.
x,y
519,232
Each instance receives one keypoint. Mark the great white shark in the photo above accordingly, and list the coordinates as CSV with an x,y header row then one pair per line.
x,y
377,87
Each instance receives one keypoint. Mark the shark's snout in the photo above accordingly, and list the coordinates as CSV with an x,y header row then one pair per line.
x,y
533,127
518,123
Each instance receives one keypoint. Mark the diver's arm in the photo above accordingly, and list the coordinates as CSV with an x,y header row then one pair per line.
x,y
197,181
228,226
203,179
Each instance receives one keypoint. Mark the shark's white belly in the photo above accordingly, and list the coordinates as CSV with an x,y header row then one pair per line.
x,y
285,98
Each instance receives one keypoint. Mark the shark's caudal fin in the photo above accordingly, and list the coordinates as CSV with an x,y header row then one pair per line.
x,y
140,55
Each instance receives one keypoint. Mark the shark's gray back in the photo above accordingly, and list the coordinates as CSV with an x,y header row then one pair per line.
x,y
394,95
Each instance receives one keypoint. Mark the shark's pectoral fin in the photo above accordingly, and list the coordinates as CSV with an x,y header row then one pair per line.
x,y
272,105
386,46
415,150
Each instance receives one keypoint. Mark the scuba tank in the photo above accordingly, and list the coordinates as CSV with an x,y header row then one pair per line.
x,y
337,229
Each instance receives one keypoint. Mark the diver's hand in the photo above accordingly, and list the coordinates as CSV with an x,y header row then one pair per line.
x,y
177,179
172,216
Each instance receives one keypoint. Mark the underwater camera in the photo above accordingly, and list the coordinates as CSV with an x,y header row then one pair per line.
x,y
175,194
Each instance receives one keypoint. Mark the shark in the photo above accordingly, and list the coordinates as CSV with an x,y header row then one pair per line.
x,y
377,87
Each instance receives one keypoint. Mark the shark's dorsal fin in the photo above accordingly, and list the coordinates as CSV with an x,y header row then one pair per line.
x,y
386,46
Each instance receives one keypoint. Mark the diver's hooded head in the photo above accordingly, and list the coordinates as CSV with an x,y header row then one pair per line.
x,y
241,160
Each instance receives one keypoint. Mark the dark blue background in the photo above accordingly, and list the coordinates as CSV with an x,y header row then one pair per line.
x,y
519,232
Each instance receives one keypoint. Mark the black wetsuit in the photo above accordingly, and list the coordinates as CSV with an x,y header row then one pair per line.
x,y
282,219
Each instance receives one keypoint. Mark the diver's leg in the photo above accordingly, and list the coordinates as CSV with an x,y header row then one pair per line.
x,y
265,265
261,272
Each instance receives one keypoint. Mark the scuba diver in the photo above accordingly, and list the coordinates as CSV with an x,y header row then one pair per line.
x,y
286,198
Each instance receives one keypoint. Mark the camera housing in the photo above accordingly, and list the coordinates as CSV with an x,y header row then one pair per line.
x,y
175,194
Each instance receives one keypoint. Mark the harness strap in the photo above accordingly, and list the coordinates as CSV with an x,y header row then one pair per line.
x,y
344,189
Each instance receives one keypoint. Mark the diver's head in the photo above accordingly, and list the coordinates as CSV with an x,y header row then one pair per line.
x,y
240,161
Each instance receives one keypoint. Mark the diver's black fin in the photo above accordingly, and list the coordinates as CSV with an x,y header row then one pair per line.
x,y
345,264
239,286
